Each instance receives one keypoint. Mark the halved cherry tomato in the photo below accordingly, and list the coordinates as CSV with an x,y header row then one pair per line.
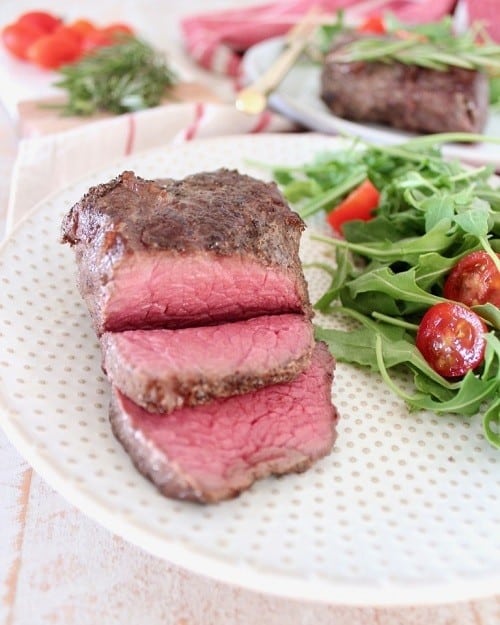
x,y
474,280
17,38
52,51
359,204
451,339
46,22
374,24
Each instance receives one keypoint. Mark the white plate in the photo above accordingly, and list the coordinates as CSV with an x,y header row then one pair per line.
x,y
297,97
404,510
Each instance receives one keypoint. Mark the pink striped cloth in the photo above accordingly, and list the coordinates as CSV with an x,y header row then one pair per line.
x,y
48,162
216,40
487,12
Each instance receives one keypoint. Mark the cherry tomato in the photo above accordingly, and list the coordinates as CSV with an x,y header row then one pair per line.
x,y
52,51
44,39
359,204
68,33
105,36
17,38
118,28
374,24
82,27
451,339
474,280
96,38
46,22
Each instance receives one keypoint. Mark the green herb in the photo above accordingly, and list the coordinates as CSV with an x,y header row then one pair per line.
x,y
495,93
128,76
386,272
435,46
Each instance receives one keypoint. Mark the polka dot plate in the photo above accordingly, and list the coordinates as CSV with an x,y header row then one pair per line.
x,y
405,510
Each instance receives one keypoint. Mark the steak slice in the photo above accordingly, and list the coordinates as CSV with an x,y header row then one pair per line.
x,y
213,452
213,247
404,96
165,369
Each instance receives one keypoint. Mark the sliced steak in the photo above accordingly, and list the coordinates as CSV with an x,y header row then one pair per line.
x,y
405,96
213,452
166,369
213,247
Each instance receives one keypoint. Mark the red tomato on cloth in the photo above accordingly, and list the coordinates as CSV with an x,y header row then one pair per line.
x,y
18,38
48,42
53,50
42,20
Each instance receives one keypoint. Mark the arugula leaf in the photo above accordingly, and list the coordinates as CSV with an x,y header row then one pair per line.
x,y
297,189
401,286
437,209
430,387
492,357
490,313
380,228
431,267
467,401
473,219
409,250
356,346
344,268
491,424
369,301
495,92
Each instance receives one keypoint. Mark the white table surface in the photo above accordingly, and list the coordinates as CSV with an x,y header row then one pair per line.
x,y
56,565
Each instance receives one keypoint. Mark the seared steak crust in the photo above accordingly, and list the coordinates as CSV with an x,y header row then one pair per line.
x,y
131,227
222,211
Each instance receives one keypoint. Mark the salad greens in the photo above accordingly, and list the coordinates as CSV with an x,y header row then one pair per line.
x,y
386,272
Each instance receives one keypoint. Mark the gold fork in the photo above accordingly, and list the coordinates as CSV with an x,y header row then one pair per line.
x,y
253,99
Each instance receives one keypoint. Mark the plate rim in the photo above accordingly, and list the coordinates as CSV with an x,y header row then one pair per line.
x,y
179,552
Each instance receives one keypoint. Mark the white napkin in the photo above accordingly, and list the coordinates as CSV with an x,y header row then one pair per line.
x,y
48,163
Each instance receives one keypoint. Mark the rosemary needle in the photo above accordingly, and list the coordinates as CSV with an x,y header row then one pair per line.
x,y
435,46
128,76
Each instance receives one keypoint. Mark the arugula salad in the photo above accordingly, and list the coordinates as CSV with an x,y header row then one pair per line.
x,y
415,263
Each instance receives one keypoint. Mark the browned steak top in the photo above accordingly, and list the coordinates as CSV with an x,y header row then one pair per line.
x,y
221,211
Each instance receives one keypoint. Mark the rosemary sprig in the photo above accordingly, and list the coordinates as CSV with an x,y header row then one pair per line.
x,y
435,47
412,51
127,76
